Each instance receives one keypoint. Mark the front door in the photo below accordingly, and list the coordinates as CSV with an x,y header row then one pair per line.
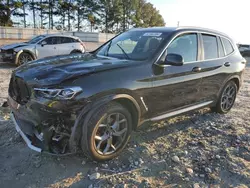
x,y
47,47
177,86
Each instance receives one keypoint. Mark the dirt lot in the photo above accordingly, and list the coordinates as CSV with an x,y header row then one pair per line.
x,y
199,149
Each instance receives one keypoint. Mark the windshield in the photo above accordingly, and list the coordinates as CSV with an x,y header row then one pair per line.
x,y
135,45
36,39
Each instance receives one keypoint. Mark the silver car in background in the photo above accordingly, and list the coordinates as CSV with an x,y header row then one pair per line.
x,y
41,46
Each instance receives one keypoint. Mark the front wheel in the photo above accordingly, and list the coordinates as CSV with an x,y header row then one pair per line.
x,y
24,58
226,99
107,132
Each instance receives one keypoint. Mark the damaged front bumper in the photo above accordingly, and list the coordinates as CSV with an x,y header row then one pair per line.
x,y
24,136
7,56
43,128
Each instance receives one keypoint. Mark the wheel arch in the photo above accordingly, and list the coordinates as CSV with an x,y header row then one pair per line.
x,y
235,78
24,51
75,51
126,100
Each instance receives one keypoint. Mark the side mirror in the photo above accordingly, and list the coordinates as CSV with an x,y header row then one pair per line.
x,y
172,59
43,43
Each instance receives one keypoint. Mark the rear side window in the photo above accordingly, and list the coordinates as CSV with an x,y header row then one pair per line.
x,y
228,46
67,40
52,40
221,49
210,46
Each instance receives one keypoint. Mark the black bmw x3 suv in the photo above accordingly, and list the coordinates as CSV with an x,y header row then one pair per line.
x,y
91,102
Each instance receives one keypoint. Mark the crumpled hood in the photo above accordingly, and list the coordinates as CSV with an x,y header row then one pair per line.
x,y
54,70
12,46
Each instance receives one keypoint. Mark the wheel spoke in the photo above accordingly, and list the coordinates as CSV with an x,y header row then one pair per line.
x,y
113,147
99,145
117,117
102,125
123,120
120,133
109,143
98,137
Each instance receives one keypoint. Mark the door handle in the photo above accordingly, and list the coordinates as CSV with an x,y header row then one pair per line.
x,y
54,47
196,69
227,64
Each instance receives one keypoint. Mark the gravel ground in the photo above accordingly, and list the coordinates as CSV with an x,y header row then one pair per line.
x,y
199,149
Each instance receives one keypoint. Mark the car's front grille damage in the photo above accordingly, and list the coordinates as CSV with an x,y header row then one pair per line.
x,y
19,90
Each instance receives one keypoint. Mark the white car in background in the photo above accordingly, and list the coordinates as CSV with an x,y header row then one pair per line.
x,y
41,46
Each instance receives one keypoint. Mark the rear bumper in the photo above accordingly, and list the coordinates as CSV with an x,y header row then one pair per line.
x,y
24,136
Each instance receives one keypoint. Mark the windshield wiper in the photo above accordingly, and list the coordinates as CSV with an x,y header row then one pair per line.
x,y
123,51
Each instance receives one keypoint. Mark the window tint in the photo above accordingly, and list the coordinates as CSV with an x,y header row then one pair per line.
x,y
52,40
221,49
67,40
228,46
210,47
186,46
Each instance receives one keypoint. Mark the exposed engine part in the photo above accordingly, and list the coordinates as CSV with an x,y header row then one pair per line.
x,y
57,137
57,133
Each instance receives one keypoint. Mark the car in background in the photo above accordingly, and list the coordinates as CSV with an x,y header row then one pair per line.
x,y
41,46
244,49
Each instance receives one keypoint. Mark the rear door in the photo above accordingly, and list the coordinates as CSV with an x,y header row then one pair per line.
x,y
66,46
215,65
178,86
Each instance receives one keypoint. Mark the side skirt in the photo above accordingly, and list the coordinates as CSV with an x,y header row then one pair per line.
x,y
177,112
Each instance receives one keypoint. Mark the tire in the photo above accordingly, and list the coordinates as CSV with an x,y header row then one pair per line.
x,y
223,107
24,58
96,132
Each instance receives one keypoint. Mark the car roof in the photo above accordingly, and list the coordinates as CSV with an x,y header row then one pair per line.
x,y
60,35
181,29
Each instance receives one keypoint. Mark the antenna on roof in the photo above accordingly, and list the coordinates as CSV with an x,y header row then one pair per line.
x,y
178,24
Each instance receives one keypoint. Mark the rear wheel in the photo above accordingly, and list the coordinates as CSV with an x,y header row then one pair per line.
x,y
24,58
226,99
107,132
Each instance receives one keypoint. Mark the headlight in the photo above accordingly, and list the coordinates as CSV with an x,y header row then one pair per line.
x,y
65,93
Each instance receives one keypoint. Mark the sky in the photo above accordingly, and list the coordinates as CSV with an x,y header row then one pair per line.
x,y
228,16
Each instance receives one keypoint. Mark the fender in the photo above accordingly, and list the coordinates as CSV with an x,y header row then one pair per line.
x,y
27,51
224,83
90,107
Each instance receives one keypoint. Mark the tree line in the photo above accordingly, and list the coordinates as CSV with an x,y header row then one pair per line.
x,y
110,16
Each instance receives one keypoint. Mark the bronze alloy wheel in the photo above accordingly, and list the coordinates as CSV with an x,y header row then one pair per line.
x,y
106,131
110,133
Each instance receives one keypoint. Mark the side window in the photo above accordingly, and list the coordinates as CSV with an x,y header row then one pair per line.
x,y
228,46
186,46
210,46
56,40
67,40
48,41
221,49
52,40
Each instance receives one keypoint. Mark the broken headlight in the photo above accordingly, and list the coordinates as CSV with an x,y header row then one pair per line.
x,y
65,93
